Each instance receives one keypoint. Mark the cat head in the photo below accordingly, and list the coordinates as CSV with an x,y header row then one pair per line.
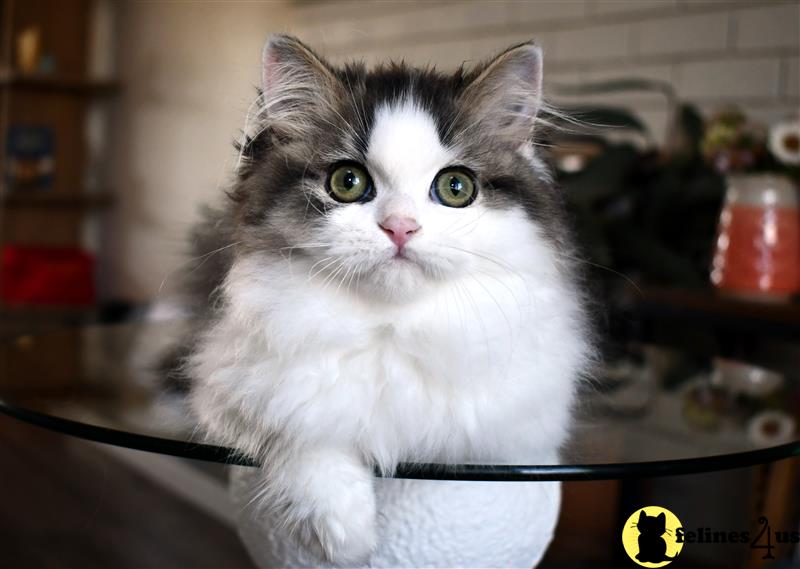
x,y
397,178
652,525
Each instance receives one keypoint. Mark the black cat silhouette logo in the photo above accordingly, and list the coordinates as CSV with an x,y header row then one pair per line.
x,y
649,536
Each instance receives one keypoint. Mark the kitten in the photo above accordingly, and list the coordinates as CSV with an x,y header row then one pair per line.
x,y
652,546
394,283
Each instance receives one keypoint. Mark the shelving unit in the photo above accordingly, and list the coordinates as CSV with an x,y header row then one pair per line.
x,y
61,215
94,200
62,84
61,100
714,308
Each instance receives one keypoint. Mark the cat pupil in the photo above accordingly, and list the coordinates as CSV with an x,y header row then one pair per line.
x,y
456,186
350,181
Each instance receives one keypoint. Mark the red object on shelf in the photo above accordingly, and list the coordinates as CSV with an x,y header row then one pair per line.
x,y
44,275
758,245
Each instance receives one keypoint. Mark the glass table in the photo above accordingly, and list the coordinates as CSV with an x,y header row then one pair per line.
x,y
651,414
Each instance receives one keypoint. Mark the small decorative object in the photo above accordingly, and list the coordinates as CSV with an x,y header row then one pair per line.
x,y
46,276
29,45
745,379
784,143
705,405
771,428
30,151
757,251
740,397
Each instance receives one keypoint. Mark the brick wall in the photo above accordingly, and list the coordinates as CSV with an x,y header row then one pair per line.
x,y
713,51
189,71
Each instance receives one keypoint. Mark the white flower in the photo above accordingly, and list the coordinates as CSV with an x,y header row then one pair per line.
x,y
784,142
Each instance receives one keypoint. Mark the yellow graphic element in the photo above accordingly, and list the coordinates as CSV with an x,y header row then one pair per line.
x,y
650,536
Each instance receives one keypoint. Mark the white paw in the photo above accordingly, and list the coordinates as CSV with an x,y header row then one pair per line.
x,y
345,535
331,507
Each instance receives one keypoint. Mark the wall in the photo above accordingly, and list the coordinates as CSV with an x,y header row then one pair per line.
x,y
189,70
712,51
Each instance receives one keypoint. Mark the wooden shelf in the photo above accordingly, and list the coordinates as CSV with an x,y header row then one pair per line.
x,y
16,320
97,200
59,84
45,311
712,307
713,302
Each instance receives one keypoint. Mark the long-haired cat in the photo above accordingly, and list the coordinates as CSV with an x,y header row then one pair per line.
x,y
394,283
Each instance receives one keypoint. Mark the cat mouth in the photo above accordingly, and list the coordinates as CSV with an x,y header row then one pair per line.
x,y
405,256
406,260
402,259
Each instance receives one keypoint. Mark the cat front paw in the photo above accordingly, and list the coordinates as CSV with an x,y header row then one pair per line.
x,y
343,535
330,505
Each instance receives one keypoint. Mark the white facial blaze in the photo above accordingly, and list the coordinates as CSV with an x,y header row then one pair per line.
x,y
404,155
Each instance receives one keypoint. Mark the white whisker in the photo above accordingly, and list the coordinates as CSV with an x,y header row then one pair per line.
x,y
204,258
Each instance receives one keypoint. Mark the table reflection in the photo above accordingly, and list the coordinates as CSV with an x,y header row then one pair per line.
x,y
653,404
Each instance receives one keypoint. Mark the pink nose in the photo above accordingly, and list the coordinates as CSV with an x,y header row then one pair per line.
x,y
399,229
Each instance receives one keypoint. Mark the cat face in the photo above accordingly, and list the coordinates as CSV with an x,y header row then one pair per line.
x,y
652,525
389,182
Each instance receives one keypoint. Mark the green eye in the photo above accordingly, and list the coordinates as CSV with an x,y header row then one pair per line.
x,y
454,187
350,182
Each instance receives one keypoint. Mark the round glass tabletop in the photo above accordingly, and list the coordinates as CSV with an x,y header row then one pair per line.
x,y
653,413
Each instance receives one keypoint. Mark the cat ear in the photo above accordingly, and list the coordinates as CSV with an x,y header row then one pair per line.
x,y
506,93
662,516
294,80
642,516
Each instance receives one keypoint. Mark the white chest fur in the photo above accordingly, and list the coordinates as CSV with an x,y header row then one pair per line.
x,y
481,369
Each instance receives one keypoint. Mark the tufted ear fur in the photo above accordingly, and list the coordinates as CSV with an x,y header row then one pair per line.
x,y
505,94
295,82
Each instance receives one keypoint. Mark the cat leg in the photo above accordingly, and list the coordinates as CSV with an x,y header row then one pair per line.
x,y
325,497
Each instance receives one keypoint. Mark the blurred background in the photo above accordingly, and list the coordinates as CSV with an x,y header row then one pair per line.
x,y
679,169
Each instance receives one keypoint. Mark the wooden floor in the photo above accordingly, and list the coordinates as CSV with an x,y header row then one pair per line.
x,y
66,504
